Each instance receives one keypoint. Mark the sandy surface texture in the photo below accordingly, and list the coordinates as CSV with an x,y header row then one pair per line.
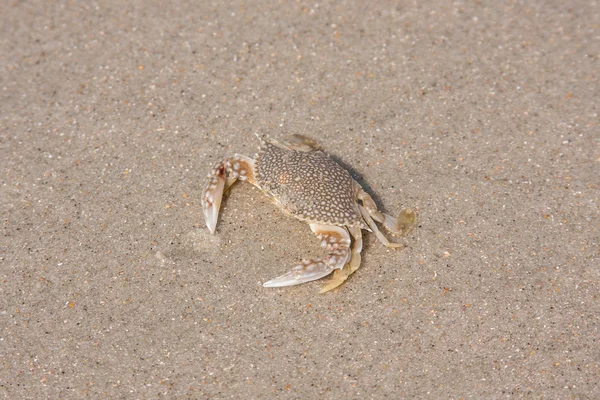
x,y
481,116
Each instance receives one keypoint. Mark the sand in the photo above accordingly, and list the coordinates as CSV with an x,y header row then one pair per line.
x,y
481,116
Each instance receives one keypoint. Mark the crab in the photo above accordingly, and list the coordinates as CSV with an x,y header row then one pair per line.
x,y
306,183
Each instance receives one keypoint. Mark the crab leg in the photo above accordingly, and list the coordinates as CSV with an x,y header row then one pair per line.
x,y
376,230
403,224
336,240
340,275
220,178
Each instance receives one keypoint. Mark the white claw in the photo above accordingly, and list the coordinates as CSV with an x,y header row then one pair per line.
x,y
337,240
301,274
211,201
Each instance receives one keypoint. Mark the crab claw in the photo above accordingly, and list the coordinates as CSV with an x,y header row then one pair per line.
x,y
224,174
309,270
212,195
337,242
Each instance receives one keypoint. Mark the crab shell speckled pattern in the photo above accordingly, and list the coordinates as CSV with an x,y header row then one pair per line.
x,y
308,185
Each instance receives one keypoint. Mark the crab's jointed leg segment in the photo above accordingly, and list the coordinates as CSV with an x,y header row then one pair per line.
x,y
402,224
336,240
376,230
220,178
340,275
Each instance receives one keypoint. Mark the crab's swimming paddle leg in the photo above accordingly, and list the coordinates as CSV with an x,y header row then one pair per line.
x,y
340,275
336,240
402,224
220,177
376,231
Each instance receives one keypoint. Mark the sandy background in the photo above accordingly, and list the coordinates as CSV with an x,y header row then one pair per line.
x,y
484,117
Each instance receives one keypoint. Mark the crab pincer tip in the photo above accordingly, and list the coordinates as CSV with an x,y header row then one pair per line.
x,y
211,214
